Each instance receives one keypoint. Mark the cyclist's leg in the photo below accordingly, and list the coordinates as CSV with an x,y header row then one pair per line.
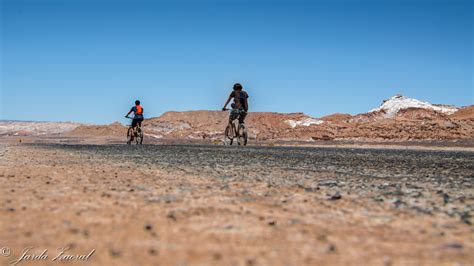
x,y
139,126
242,116
230,121
134,126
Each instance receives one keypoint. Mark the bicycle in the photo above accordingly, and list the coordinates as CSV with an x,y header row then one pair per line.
x,y
235,130
134,133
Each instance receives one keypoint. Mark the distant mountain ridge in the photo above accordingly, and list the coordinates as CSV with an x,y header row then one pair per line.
x,y
397,118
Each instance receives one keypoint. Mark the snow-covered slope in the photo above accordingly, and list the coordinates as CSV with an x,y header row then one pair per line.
x,y
304,122
399,102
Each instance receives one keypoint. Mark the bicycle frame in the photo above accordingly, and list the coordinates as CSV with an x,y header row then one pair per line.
x,y
136,133
235,126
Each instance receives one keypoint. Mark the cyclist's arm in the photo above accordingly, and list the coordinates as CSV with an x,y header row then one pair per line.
x,y
227,102
129,112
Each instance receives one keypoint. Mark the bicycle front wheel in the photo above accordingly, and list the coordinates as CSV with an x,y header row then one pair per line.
x,y
139,138
243,136
129,135
228,135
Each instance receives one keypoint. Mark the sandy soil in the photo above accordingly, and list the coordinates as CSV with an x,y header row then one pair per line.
x,y
212,205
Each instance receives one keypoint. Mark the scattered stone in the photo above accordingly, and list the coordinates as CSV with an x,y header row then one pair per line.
x,y
165,198
453,246
445,198
152,252
379,199
465,217
415,194
294,221
395,192
272,223
217,256
331,248
148,227
115,252
171,216
328,183
398,203
321,237
311,189
250,262
336,196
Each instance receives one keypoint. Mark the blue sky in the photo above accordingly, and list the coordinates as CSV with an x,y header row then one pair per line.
x,y
89,60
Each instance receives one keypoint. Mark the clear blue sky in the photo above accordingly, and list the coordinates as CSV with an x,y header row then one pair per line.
x,y
88,61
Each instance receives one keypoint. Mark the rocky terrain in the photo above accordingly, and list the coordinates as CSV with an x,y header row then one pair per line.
x,y
216,205
34,128
397,119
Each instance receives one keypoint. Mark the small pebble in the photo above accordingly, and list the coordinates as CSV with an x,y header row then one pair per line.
x,y
152,251
115,252
336,196
148,227
332,248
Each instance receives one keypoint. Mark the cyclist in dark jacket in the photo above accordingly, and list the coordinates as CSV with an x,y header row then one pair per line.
x,y
137,111
240,101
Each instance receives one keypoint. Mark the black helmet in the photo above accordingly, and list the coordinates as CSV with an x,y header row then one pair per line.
x,y
137,102
237,86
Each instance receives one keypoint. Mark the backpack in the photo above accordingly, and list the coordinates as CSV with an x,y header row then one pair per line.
x,y
139,110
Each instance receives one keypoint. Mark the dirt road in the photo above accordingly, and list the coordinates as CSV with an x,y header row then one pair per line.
x,y
195,205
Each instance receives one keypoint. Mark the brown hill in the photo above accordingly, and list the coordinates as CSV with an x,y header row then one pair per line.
x,y
465,113
406,124
337,117
112,130
211,124
410,123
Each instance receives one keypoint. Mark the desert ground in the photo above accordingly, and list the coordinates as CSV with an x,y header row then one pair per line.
x,y
216,205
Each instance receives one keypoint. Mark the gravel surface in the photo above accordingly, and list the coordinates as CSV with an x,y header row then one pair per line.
x,y
191,204
400,175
